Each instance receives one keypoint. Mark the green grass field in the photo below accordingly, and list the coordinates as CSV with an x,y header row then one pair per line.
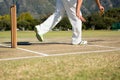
x,y
90,66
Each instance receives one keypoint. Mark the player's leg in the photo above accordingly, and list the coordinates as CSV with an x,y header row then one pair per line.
x,y
70,7
51,21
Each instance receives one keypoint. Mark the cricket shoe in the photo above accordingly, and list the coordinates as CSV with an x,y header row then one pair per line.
x,y
39,37
83,43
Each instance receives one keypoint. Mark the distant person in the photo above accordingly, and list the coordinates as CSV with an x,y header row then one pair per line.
x,y
72,8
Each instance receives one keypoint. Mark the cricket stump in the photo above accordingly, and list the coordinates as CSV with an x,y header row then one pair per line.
x,y
13,27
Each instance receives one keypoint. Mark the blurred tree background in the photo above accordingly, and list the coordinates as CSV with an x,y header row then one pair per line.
x,y
25,21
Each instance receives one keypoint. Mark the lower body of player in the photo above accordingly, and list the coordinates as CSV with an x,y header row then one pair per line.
x,y
62,6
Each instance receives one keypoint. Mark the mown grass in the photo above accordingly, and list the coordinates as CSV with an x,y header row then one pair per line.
x,y
104,66
89,33
94,66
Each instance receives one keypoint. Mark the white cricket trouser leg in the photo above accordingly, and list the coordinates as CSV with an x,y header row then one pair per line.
x,y
52,21
70,7
61,6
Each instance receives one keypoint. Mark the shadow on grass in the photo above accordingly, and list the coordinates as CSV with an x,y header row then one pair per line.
x,y
19,43
39,43
51,43
63,43
96,40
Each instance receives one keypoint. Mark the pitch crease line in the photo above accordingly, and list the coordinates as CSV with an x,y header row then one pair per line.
x,y
56,54
5,45
43,54
73,53
18,58
29,57
104,46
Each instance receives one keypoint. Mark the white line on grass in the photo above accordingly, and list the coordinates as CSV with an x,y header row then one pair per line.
x,y
18,58
29,57
104,46
97,51
43,54
5,45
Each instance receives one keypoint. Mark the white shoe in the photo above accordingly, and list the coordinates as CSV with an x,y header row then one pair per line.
x,y
83,42
39,37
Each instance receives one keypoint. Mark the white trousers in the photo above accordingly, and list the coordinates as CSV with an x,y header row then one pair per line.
x,y
62,6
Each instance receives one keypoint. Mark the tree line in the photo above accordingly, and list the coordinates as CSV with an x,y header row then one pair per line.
x,y
25,21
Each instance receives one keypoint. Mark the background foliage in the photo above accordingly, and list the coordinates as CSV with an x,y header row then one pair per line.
x,y
25,21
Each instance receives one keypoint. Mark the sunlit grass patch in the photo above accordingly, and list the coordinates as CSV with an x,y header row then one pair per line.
x,y
104,66
93,66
